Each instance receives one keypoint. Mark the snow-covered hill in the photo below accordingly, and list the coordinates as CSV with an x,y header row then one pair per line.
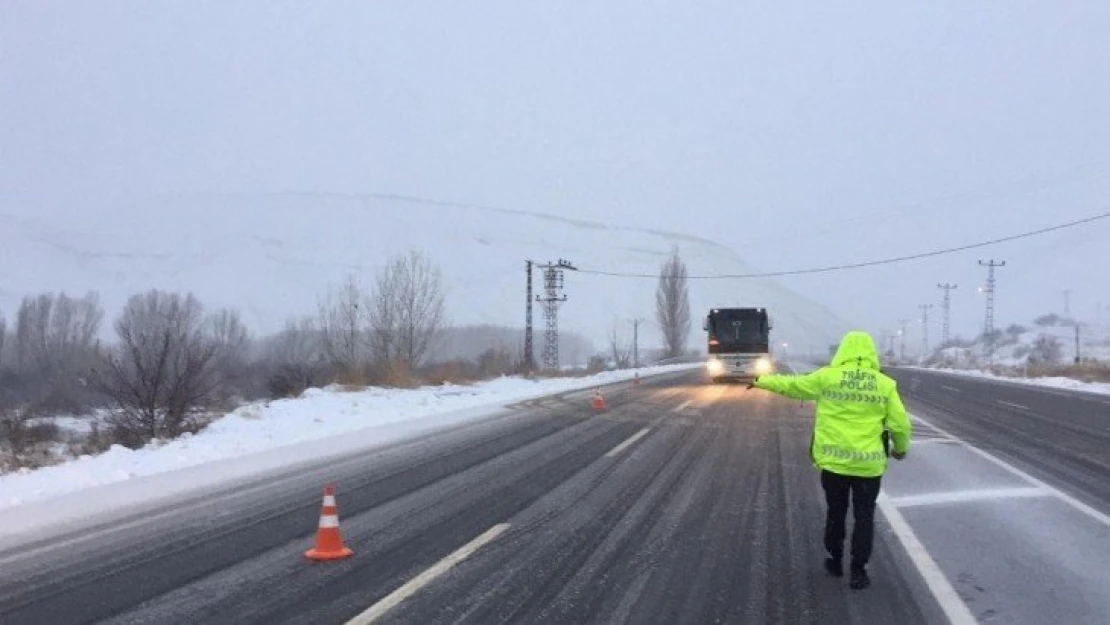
x,y
1032,343
273,255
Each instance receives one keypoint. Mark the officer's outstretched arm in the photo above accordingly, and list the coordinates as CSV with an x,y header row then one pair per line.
x,y
806,386
898,423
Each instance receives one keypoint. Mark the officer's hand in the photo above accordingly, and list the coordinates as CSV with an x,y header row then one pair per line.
x,y
898,455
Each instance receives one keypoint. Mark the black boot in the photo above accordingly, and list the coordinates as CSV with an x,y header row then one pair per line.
x,y
835,566
859,579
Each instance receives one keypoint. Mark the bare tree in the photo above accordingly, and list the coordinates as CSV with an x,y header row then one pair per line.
x,y
163,369
1046,350
54,329
74,324
298,342
672,305
342,326
32,325
55,340
406,311
384,315
297,357
230,335
232,343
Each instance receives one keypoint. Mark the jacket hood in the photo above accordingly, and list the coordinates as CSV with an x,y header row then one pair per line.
x,y
857,348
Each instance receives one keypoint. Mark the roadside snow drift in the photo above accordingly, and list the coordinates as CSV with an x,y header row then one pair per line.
x,y
364,419
1069,384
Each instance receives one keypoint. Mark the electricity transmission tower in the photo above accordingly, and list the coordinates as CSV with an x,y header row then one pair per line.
x,y
925,308
529,359
988,326
552,297
947,308
1067,303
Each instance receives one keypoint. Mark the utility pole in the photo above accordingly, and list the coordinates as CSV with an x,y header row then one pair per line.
x,y
529,360
988,326
553,296
925,308
947,307
1077,342
636,342
903,323
1067,303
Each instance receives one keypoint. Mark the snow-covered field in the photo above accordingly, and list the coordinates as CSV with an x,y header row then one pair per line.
x,y
267,435
1060,383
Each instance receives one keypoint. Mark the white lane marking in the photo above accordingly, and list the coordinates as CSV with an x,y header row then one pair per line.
x,y
683,405
627,443
954,607
1059,494
379,609
1012,405
971,495
951,388
934,441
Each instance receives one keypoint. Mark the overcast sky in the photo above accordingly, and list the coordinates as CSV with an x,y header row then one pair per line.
x,y
819,133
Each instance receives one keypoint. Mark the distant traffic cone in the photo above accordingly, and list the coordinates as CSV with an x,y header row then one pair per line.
x,y
599,401
329,543
636,379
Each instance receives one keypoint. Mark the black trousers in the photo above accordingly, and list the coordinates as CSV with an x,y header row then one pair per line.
x,y
862,491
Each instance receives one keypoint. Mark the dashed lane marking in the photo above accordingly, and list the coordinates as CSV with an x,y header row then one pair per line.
x,y
379,609
631,440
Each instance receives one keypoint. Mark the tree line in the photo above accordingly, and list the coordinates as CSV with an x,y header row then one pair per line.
x,y
172,364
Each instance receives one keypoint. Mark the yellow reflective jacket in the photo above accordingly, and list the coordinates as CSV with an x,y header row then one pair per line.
x,y
855,403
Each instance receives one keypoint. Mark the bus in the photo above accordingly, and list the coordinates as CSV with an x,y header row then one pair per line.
x,y
739,342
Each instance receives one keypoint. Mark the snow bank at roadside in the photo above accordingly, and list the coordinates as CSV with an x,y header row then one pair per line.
x,y
1060,383
373,416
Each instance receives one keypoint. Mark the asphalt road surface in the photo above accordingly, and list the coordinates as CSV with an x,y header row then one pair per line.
x,y
1061,436
1008,494
682,503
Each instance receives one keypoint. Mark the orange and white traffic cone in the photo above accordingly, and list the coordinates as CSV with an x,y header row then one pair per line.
x,y
599,401
329,543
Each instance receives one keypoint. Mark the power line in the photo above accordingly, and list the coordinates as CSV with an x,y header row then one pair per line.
x,y
870,263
